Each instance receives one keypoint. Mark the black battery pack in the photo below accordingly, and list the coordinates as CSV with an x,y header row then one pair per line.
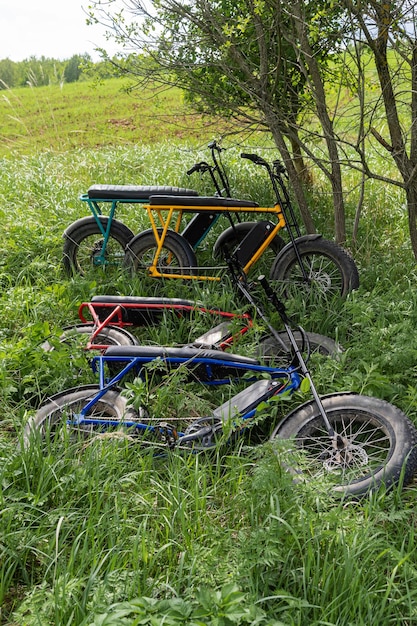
x,y
198,226
253,240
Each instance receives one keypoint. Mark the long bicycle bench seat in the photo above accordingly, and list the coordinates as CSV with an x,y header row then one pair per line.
x,y
139,311
186,353
191,201
143,301
135,192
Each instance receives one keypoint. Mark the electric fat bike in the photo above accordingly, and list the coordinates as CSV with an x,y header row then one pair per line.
x,y
308,263
355,443
100,240
166,250
110,320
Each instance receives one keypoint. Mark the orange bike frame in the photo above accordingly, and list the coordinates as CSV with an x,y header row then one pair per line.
x,y
165,215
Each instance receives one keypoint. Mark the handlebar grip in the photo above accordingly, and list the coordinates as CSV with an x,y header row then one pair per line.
x,y
279,167
255,158
198,167
194,168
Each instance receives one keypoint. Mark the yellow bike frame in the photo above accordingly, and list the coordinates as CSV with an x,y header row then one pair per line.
x,y
164,215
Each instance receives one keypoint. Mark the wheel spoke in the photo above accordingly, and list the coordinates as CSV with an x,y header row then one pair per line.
x,y
366,447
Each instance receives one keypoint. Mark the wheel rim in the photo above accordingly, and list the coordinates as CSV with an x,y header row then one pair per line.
x,y
79,336
323,277
60,425
90,254
366,448
271,351
168,262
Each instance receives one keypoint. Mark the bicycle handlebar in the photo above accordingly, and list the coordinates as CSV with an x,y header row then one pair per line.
x,y
198,167
279,167
255,158
213,145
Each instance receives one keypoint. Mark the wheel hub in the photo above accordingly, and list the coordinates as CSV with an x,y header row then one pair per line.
x,y
344,457
96,252
322,279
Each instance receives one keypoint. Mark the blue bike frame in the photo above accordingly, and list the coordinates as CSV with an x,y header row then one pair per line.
x,y
134,358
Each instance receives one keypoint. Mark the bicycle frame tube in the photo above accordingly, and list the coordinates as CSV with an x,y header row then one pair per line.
x,y
118,316
208,363
118,311
290,375
94,206
96,211
165,221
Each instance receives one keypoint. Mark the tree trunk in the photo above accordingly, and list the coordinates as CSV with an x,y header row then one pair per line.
x,y
295,180
407,166
310,62
411,194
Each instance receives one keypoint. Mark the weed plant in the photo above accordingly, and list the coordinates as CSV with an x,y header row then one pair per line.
x,y
107,533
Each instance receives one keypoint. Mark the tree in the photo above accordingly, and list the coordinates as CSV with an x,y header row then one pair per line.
x,y
387,32
272,64
241,59
72,69
7,74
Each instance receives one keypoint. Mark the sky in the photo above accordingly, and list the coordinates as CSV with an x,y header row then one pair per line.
x,y
51,28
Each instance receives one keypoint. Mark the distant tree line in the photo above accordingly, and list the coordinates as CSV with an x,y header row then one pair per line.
x,y
35,72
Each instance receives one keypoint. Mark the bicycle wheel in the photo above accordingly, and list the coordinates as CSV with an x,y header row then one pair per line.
x,y
330,270
379,443
83,246
176,257
270,347
108,336
53,420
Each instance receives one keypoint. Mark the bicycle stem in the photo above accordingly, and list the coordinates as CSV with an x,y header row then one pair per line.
x,y
275,176
279,306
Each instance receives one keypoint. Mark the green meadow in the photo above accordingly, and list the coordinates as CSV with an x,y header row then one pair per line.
x,y
93,115
107,534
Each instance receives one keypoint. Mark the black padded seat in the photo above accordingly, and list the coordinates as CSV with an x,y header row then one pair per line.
x,y
140,311
135,192
152,352
211,201
142,301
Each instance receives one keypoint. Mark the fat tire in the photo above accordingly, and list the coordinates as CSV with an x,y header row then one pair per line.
x,y
51,416
348,276
109,335
88,227
270,347
174,243
395,431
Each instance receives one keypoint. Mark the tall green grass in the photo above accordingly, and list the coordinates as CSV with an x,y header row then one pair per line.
x,y
107,534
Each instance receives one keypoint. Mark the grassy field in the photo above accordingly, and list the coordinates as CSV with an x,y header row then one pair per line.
x,y
93,115
105,534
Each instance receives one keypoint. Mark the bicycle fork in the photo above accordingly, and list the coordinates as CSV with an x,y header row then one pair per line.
x,y
339,443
